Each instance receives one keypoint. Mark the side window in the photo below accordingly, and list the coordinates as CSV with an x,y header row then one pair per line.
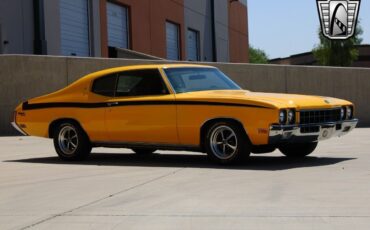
x,y
105,85
140,83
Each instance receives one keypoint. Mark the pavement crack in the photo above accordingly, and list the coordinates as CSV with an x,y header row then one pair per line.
x,y
101,199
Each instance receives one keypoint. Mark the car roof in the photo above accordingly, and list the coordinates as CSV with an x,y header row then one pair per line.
x,y
139,67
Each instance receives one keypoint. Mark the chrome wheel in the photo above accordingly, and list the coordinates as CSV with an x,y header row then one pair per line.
x,y
68,140
224,142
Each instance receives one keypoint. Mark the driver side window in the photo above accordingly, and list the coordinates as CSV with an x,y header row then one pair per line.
x,y
140,83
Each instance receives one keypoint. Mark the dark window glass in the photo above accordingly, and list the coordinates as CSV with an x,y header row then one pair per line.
x,y
140,83
199,79
105,85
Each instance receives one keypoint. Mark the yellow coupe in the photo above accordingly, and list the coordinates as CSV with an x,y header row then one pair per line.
x,y
180,107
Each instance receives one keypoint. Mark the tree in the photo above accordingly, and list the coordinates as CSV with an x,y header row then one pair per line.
x,y
257,56
338,52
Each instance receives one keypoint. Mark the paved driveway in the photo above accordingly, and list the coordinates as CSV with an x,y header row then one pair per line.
x,y
116,189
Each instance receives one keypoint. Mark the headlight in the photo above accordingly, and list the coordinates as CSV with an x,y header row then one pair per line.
x,y
291,116
349,112
282,116
343,113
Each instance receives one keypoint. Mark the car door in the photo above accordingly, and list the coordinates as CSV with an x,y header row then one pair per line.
x,y
93,119
143,110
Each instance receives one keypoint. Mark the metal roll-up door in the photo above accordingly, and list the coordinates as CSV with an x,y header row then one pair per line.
x,y
172,41
117,26
74,23
192,45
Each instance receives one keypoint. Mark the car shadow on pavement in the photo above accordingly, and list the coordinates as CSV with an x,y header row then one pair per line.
x,y
255,162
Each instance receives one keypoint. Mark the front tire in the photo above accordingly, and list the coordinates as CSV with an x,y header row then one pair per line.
x,y
227,143
70,142
298,150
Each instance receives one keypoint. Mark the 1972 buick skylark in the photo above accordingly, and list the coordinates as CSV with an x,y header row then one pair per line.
x,y
180,107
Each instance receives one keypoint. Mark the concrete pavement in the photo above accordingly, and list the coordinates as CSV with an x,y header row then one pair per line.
x,y
116,189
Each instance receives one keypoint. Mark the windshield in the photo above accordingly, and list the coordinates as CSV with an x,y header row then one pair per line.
x,y
185,80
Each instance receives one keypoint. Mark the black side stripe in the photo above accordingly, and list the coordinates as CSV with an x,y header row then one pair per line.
x,y
27,106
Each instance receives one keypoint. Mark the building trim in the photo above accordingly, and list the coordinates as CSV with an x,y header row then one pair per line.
x,y
103,28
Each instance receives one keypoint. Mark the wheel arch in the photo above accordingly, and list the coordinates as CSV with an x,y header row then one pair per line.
x,y
58,121
207,124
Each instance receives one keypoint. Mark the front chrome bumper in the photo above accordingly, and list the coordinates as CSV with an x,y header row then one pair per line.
x,y
311,132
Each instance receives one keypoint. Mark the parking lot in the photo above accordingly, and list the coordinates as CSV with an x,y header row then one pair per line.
x,y
116,189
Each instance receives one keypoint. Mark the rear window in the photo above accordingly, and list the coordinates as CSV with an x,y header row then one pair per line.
x,y
105,86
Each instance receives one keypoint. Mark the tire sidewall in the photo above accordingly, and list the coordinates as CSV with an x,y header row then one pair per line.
x,y
242,151
83,148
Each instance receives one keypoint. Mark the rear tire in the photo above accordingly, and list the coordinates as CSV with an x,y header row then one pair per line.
x,y
143,151
71,142
227,143
298,150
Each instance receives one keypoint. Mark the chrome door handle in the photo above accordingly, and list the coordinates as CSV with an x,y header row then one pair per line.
x,y
112,103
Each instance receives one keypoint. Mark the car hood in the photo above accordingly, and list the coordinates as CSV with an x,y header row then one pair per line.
x,y
276,100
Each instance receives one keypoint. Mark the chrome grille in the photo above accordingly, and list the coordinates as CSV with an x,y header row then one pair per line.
x,y
319,116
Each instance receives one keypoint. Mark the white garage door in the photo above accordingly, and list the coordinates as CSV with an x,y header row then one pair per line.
x,y
117,26
74,22
172,38
193,45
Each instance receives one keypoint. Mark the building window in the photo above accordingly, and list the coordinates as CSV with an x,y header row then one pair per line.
x,y
74,23
118,29
193,45
172,41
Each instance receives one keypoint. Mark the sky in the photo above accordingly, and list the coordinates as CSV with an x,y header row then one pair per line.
x,y
286,27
